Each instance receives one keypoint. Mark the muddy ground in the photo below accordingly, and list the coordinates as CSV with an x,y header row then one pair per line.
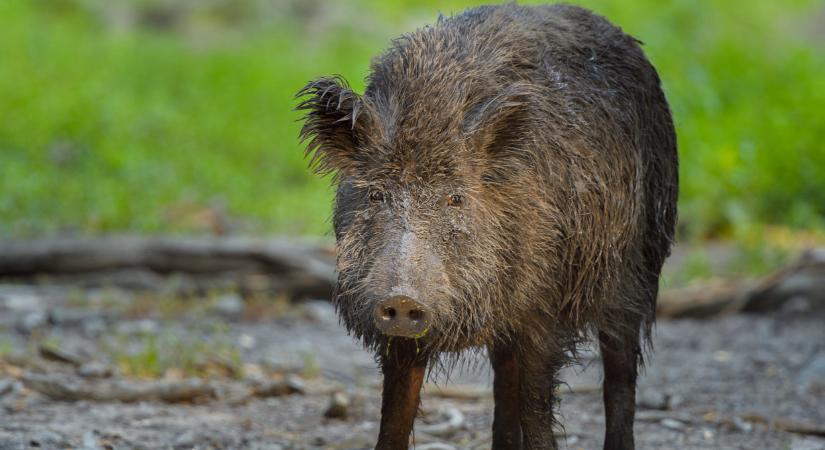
x,y
736,382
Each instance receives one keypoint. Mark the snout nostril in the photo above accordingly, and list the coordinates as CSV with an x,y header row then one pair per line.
x,y
401,315
416,314
389,313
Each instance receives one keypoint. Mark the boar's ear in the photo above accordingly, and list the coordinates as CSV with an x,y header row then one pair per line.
x,y
334,123
497,123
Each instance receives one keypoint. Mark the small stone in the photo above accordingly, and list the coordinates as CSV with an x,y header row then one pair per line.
x,y
65,317
807,443
291,385
672,424
185,440
338,406
742,425
811,378
798,304
246,341
61,355
31,321
6,386
95,369
253,373
722,356
675,401
650,399
435,446
143,326
707,434
47,439
230,306
320,311
94,327
89,442
296,385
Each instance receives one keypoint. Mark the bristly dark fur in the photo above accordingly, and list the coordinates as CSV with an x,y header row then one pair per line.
x,y
552,125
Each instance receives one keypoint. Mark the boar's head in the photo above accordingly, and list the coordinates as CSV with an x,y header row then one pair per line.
x,y
435,212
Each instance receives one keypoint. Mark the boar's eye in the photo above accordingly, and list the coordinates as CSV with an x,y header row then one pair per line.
x,y
376,196
455,200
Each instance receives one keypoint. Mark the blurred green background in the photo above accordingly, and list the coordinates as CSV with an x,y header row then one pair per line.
x,y
176,115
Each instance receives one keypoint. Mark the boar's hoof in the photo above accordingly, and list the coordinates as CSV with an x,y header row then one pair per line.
x,y
402,316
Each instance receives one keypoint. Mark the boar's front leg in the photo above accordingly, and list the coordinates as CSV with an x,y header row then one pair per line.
x,y
403,375
506,419
537,385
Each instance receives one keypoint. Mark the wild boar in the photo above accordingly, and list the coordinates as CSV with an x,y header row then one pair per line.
x,y
507,180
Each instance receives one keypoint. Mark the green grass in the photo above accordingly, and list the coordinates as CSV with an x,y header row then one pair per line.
x,y
154,355
110,127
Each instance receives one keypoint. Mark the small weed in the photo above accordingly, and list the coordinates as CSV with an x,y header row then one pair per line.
x,y
311,367
154,355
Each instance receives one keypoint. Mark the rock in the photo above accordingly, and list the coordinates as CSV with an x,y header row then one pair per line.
x,y
6,386
290,385
89,442
359,440
186,440
47,439
246,341
708,434
143,326
811,378
65,317
742,425
338,406
94,327
807,443
796,305
31,321
675,401
13,441
650,399
23,360
435,446
230,306
95,369
61,355
449,421
320,311
672,424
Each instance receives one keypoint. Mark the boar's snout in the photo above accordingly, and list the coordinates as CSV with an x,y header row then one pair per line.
x,y
402,316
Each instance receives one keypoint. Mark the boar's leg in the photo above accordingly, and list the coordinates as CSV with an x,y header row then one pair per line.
x,y
403,375
506,419
620,357
537,385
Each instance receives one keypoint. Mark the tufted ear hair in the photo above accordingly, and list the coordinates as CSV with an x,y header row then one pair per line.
x,y
335,123
496,123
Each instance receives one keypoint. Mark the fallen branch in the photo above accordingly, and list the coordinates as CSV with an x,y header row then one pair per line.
x,y
67,388
804,279
789,426
52,353
772,423
299,267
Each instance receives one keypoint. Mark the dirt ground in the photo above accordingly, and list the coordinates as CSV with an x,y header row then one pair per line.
x,y
736,382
